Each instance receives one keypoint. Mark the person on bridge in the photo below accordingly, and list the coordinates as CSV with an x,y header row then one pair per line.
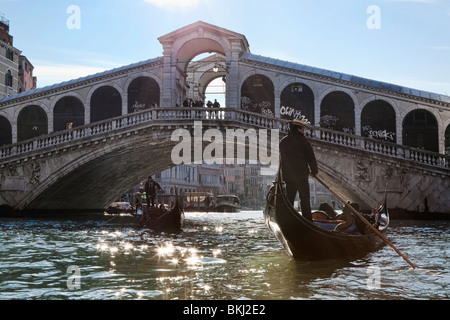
x,y
297,162
150,190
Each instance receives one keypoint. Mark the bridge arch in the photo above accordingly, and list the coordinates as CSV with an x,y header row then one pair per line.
x,y
32,122
297,97
420,130
337,111
143,92
192,46
105,102
258,94
68,112
378,120
5,131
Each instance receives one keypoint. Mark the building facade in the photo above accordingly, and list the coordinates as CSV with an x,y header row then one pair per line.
x,y
9,61
26,81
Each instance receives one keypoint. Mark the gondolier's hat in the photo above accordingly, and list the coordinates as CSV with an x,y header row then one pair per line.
x,y
302,122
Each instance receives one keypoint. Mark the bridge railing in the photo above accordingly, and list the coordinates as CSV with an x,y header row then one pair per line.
x,y
135,119
221,115
381,147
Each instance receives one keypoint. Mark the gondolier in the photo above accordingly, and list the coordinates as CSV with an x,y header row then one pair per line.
x,y
151,187
297,162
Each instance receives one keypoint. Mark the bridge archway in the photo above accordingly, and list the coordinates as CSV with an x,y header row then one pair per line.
x,y
143,93
203,80
337,112
183,45
297,99
378,120
68,113
194,47
31,123
5,131
258,95
106,102
420,130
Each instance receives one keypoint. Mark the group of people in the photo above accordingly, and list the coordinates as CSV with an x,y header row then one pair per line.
x,y
151,189
190,103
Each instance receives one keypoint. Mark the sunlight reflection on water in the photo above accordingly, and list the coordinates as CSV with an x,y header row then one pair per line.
x,y
216,256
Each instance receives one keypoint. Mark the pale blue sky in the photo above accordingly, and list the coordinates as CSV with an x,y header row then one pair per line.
x,y
411,47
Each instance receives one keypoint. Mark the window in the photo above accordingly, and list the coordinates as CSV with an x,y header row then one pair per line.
x,y
8,79
10,54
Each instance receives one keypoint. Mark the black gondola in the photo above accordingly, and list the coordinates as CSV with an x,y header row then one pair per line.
x,y
161,219
306,240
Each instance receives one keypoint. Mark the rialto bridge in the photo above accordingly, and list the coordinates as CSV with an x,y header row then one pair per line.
x,y
80,144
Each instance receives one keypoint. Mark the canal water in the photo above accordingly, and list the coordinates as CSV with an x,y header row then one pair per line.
x,y
217,256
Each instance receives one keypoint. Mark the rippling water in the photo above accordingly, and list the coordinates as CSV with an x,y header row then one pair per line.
x,y
217,256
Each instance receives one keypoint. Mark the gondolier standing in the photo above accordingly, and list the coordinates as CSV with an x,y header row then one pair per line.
x,y
150,190
297,162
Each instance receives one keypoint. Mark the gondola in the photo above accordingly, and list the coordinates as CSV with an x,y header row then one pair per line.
x,y
309,240
161,219
119,208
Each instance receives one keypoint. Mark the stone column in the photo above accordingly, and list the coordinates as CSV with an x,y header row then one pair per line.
x,y
232,96
167,86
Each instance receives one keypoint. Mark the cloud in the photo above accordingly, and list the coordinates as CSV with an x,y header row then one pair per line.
x,y
173,3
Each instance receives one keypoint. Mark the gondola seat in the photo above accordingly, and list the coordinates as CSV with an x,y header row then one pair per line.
x,y
330,225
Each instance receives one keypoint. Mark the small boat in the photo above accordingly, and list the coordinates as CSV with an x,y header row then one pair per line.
x,y
317,240
199,202
227,203
119,207
161,218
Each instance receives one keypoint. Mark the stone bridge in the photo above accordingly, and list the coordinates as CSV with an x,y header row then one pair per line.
x,y
78,145
84,169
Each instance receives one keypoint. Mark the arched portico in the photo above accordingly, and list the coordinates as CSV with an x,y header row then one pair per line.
x,y
258,95
31,122
68,113
143,93
105,102
378,121
182,45
420,130
337,112
5,131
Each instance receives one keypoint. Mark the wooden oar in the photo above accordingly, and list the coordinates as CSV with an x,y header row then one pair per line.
x,y
365,221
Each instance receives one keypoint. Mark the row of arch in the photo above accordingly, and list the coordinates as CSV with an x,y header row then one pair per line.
x,y
69,111
337,111
378,118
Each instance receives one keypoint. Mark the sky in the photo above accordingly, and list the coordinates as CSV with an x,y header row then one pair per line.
x,y
405,42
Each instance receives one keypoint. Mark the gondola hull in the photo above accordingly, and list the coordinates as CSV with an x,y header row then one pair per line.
x,y
304,240
169,221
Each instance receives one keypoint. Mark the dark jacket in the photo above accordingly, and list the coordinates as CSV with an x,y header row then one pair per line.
x,y
297,157
150,188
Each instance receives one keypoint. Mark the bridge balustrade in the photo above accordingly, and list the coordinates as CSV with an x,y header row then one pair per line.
x,y
221,116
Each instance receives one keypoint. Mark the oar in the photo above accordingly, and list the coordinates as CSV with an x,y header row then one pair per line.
x,y
365,221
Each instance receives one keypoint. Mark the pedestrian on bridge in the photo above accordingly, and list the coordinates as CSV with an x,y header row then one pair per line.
x,y
297,162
